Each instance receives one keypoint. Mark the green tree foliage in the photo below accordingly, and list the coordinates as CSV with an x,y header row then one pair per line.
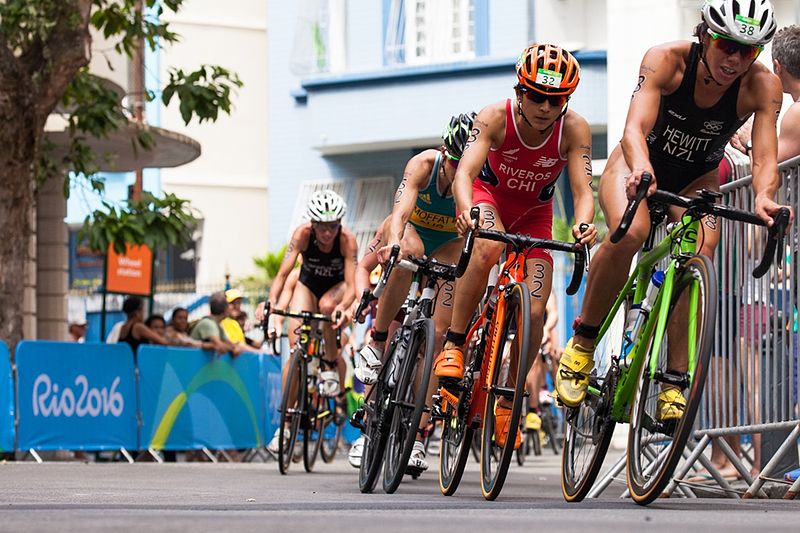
x,y
45,48
270,263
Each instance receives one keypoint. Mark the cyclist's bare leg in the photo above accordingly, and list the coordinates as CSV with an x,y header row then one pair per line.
x,y
611,262
471,287
539,283
534,381
396,290
327,306
707,238
442,313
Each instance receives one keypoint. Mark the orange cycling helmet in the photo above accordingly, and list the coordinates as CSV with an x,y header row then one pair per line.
x,y
548,69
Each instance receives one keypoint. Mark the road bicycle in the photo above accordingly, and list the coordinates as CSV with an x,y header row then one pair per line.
x,y
304,406
393,407
678,313
502,329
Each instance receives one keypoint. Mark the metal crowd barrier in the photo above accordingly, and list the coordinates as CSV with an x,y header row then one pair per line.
x,y
753,380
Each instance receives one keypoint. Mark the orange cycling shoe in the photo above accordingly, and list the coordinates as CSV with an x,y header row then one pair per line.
x,y
449,364
502,422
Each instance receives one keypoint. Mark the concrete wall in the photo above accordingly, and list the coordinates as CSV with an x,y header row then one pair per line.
x,y
228,182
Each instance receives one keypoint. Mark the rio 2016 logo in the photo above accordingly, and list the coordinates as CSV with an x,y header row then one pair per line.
x,y
49,399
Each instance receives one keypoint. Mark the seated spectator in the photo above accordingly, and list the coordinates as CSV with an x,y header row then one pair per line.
x,y
157,323
233,330
133,330
208,329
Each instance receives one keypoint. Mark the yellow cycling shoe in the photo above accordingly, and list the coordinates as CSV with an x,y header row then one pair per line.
x,y
572,377
671,404
533,422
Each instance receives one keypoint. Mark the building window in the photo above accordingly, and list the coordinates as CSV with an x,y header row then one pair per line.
x,y
430,31
319,38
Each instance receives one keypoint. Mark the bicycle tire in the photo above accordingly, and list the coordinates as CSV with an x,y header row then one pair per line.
x,y
312,433
517,312
523,431
409,403
291,416
330,442
549,428
378,411
647,481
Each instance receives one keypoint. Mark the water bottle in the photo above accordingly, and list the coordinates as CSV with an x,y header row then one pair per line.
x,y
637,316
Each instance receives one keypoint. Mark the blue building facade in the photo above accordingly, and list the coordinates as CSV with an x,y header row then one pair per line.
x,y
356,104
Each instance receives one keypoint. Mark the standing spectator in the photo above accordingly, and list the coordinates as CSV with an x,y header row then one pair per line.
x,y
233,330
208,328
134,331
786,65
77,331
177,331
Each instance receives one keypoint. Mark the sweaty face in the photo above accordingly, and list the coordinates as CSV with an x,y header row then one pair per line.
x,y
728,59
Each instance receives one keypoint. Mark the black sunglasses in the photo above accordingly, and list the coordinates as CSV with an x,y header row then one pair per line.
x,y
555,100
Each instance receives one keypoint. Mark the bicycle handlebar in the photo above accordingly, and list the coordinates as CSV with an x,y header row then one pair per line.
x,y
705,204
469,242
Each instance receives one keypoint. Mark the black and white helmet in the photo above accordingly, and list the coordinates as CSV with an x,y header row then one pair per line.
x,y
746,21
325,206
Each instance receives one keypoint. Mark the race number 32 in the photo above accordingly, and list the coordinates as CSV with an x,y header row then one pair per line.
x,y
550,78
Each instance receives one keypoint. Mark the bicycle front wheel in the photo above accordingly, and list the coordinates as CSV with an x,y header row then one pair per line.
x,y
292,410
312,433
659,430
332,424
506,382
409,398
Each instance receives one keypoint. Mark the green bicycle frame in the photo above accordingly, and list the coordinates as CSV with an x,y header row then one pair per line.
x,y
682,239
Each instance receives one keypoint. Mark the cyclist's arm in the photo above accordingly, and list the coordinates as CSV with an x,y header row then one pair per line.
x,y
298,243
579,167
487,128
655,72
416,172
767,99
349,247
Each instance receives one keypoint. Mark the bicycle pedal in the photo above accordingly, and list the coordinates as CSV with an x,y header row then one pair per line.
x,y
357,420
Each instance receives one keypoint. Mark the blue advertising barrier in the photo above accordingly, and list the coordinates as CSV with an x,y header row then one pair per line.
x,y
271,397
190,399
6,400
75,396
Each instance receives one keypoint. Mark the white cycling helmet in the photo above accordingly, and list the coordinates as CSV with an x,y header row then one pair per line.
x,y
325,206
745,21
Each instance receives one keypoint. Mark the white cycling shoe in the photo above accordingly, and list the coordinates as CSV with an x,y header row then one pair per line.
x,y
276,440
356,451
329,383
368,363
417,460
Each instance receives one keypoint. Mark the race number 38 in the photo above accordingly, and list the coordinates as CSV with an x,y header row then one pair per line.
x,y
747,25
549,78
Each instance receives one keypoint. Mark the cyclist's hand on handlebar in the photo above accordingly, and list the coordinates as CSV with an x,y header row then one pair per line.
x,y
465,223
384,252
587,237
766,208
339,317
260,312
632,181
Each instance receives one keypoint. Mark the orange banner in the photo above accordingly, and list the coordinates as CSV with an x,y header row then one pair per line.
x,y
131,273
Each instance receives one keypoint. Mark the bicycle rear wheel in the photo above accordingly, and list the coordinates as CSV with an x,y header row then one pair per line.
x,y
512,336
458,433
656,445
312,433
409,401
293,410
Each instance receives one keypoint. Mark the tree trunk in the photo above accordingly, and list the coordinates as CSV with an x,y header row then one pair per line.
x,y
20,141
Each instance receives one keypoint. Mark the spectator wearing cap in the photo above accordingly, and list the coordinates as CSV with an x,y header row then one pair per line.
x,y
208,329
233,330
77,331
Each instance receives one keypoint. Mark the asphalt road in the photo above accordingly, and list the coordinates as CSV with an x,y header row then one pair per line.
x,y
247,497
